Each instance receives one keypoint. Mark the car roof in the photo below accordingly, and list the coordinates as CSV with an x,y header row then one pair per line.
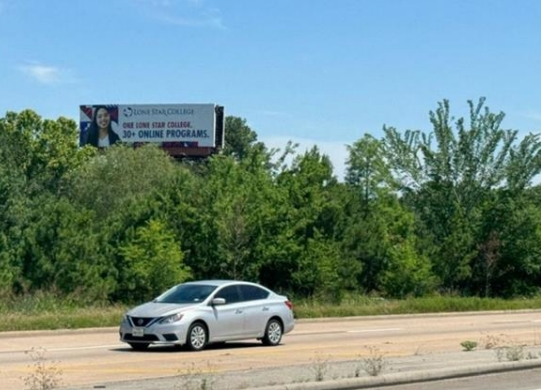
x,y
217,282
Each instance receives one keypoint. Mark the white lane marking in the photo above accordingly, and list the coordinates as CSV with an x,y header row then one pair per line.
x,y
67,348
89,347
373,330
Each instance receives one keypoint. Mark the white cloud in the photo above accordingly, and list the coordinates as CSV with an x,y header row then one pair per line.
x,y
46,74
335,150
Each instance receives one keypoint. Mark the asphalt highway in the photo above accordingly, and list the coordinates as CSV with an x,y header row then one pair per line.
x,y
329,352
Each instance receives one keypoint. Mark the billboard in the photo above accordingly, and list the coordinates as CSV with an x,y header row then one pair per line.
x,y
174,126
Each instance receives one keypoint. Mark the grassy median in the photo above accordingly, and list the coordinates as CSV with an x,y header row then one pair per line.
x,y
47,311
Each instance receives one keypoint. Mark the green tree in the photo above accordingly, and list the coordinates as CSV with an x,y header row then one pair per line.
x,y
408,273
35,155
123,189
380,234
239,138
43,150
237,199
233,207
14,207
509,246
302,254
368,171
152,262
59,251
449,182
120,176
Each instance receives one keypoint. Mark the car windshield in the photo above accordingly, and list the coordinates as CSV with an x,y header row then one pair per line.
x,y
186,293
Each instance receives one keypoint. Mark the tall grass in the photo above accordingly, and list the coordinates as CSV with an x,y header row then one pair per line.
x,y
49,310
359,305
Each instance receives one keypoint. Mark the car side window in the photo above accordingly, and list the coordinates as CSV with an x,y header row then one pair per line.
x,y
253,293
230,294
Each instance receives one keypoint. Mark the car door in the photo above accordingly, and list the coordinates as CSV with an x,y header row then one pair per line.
x,y
256,310
229,317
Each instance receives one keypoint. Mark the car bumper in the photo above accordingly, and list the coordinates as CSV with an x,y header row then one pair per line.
x,y
159,334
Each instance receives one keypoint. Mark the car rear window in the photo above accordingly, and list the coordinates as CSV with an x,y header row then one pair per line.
x,y
253,293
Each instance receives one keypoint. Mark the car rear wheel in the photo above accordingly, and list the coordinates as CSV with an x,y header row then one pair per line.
x,y
197,337
273,333
139,346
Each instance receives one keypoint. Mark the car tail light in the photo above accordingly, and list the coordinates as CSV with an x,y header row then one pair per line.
x,y
289,304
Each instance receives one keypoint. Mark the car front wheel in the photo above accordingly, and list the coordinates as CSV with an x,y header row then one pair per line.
x,y
197,337
273,333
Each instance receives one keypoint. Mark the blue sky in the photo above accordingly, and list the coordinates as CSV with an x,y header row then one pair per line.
x,y
319,72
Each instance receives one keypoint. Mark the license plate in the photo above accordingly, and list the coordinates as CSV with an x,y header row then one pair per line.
x,y
138,332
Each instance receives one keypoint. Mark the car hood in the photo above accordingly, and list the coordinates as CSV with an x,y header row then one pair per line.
x,y
154,309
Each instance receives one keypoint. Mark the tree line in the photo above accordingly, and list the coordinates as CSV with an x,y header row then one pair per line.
x,y
455,210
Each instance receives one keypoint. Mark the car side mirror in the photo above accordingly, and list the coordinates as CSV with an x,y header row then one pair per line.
x,y
218,301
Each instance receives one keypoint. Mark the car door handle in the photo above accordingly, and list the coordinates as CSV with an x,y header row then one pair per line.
x,y
265,308
239,311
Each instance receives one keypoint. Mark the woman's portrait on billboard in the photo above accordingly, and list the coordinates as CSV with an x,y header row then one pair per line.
x,y
100,133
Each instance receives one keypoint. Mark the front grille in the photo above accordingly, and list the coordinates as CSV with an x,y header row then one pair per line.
x,y
146,337
141,321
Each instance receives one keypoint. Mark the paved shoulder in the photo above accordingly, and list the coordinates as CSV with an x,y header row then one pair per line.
x,y
348,375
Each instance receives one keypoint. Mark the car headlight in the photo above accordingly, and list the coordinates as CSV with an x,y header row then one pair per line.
x,y
172,318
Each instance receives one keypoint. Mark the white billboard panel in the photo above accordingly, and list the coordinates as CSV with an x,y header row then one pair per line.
x,y
186,125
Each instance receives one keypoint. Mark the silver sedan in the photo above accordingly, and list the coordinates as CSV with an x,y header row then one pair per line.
x,y
210,311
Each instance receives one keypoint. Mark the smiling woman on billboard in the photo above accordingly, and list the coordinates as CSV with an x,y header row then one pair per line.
x,y
100,133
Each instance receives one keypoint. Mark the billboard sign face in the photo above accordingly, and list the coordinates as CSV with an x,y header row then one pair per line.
x,y
185,125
